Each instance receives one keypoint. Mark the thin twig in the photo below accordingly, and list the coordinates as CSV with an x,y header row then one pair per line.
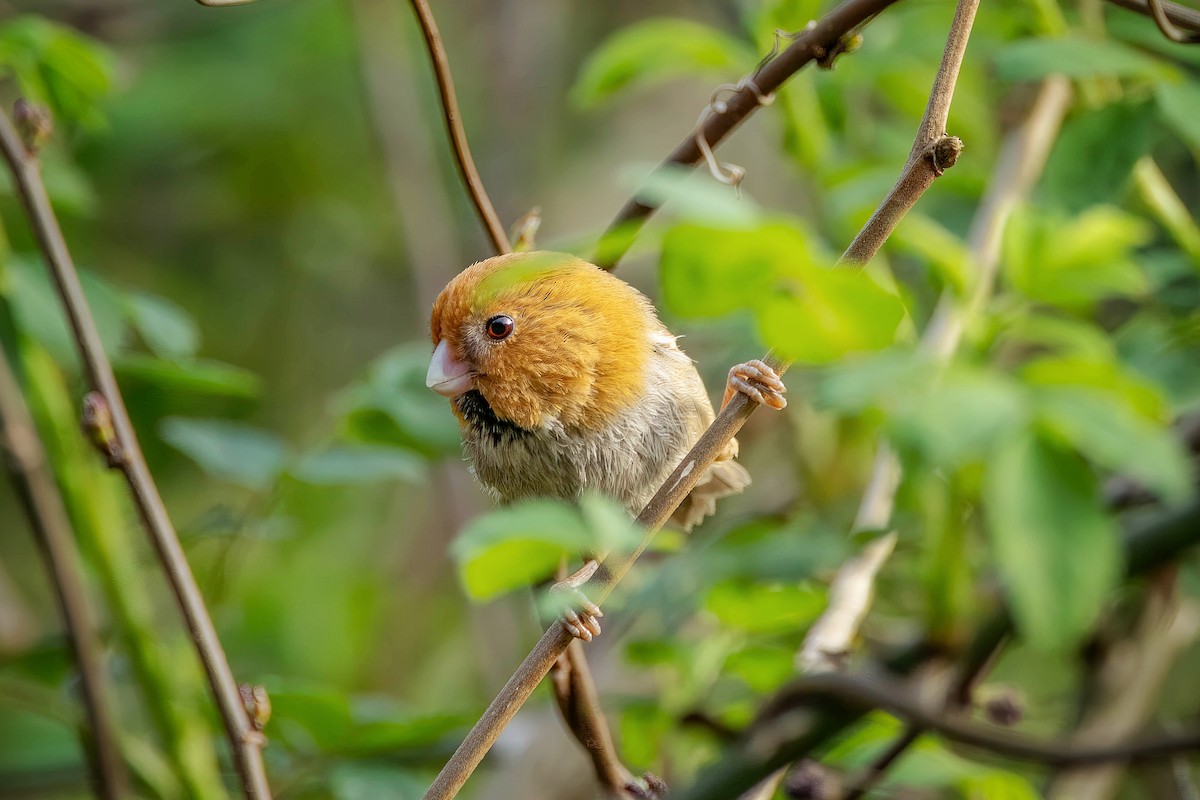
x,y
579,703
454,127
1129,682
932,152
244,740
812,44
1174,14
888,695
52,529
1148,545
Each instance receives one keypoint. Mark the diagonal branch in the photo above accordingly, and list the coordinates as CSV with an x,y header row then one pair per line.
x,y
813,44
458,136
52,529
243,739
554,641
932,152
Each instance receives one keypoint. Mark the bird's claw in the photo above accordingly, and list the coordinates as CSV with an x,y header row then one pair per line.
x,y
579,614
650,787
758,381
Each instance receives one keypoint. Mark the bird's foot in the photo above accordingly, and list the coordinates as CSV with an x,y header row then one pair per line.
x,y
579,614
650,787
758,381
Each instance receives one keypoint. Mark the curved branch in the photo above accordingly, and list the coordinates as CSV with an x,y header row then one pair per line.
x,y
243,739
52,528
885,695
1171,13
458,136
1152,544
813,44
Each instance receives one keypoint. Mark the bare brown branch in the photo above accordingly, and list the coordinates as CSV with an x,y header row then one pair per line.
x,y
454,127
813,44
26,173
51,526
886,695
933,152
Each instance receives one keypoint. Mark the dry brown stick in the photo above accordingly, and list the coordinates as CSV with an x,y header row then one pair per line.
x,y
244,740
27,464
812,44
454,127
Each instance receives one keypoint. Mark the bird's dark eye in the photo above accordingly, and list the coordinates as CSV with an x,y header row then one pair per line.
x,y
499,327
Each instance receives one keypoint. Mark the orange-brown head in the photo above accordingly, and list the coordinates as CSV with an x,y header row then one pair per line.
x,y
542,335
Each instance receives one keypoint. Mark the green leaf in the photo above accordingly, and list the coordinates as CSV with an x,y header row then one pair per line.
x,y
694,196
57,66
764,668
165,327
38,310
1107,429
824,314
306,714
926,238
518,545
1180,106
230,451
342,464
1076,57
1056,549
200,377
1073,263
877,380
758,607
1061,335
392,406
962,418
708,271
1076,176
653,51
1106,375
351,780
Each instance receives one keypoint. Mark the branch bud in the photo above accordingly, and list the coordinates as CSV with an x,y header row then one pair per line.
x,y
256,703
98,425
34,124
1004,708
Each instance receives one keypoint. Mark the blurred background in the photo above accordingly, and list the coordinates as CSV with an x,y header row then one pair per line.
x,y
263,204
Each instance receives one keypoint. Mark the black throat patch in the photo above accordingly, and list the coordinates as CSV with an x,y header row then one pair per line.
x,y
480,416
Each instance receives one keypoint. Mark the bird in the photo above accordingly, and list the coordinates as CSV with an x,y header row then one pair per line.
x,y
564,381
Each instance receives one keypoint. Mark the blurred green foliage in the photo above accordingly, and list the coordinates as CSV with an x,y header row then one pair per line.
x,y
261,230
